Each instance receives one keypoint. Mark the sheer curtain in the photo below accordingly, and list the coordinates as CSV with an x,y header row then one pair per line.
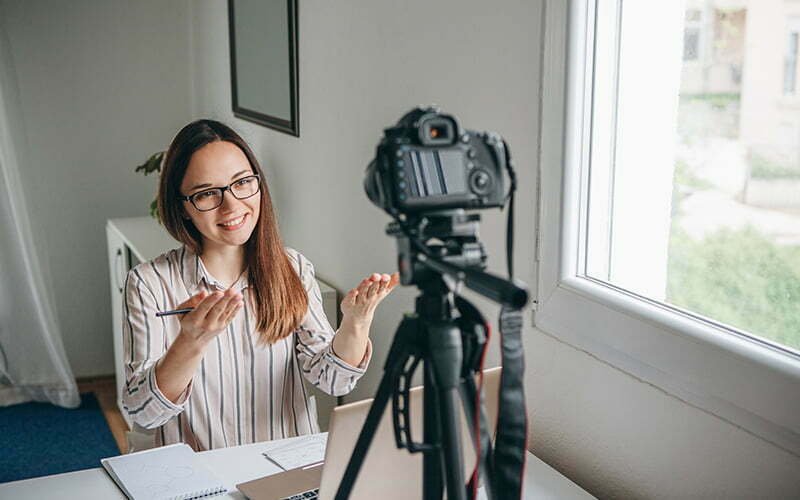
x,y
33,365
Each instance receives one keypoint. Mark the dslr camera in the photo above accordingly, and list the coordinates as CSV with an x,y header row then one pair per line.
x,y
427,163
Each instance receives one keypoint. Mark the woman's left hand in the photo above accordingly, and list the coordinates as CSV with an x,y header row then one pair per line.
x,y
359,304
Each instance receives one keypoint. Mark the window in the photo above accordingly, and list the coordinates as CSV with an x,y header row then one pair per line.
x,y
669,242
686,204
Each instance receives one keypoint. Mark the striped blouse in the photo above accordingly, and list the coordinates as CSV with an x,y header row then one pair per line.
x,y
242,392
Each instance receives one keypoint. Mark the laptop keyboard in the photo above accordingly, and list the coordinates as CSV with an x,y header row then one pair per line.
x,y
307,495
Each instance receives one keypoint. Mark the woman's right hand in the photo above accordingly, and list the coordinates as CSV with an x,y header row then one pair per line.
x,y
212,314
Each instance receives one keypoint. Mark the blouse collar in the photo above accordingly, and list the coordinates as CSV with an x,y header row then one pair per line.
x,y
194,274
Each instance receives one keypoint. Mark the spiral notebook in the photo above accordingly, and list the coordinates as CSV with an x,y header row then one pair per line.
x,y
168,472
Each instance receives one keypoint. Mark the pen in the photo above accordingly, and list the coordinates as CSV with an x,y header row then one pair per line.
x,y
175,311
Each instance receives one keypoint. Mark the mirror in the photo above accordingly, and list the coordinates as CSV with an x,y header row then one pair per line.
x,y
263,44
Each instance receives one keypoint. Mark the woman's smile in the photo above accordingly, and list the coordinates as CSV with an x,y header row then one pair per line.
x,y
234,224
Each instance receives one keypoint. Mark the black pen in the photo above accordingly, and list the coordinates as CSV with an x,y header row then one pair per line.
x,y
175,311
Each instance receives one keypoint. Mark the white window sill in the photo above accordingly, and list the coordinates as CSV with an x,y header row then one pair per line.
x,y
752,386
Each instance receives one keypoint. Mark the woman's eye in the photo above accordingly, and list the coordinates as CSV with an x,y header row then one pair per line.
x,y
203,195
244,182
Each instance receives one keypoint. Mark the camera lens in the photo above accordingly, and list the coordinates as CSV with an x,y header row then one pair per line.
x,y
372,185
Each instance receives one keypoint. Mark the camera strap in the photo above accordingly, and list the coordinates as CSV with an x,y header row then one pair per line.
x,y
504,466
512,418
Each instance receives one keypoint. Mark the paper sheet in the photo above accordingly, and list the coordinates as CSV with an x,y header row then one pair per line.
x,y
302,451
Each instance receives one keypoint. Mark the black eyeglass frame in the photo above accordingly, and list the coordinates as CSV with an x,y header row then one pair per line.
x,y
222,190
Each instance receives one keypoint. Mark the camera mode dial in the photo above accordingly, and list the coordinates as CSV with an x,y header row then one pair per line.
x,y
480,182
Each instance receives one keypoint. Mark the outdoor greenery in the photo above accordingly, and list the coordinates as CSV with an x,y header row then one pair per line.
x,y
715,99
740,278
763,168
684,177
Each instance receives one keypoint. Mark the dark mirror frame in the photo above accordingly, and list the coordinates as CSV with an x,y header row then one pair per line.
x,y
291,126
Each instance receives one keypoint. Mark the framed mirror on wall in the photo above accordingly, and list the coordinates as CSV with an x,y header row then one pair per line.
x,y
263,43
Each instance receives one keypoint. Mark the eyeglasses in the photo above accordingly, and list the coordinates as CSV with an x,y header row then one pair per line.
x,y
211,198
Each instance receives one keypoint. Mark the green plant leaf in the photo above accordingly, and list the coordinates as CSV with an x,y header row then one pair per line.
x,y
154,210
153,164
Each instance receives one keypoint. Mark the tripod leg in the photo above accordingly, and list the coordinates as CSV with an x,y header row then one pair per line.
x,y
395,362
444,345
432,462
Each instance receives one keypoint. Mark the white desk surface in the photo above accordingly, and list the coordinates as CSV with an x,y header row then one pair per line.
x,y
238,464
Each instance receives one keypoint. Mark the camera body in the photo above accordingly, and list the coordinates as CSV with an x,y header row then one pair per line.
x,y
427,163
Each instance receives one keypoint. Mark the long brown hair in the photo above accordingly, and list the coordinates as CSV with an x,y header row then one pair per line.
x,y
279,298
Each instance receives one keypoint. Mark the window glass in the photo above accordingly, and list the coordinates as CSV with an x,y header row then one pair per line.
x,y
693,191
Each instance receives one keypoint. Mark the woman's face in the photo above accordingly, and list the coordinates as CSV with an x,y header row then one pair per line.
x,y
218,164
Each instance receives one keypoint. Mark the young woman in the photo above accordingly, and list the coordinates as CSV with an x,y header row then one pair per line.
x,y
230,372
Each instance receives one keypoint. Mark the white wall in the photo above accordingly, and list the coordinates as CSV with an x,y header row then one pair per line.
x,y
102,85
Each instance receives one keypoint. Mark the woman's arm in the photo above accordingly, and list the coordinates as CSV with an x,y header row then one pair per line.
x,y
211,316
350,341
176,369
358,309
143,341
334,361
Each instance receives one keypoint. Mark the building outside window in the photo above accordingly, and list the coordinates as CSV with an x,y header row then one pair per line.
x,y
694,196
792,49
691,35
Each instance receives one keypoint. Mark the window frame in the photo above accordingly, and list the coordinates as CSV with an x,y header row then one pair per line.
x,y
751,385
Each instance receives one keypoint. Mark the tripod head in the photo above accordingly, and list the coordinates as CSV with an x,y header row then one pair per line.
x,y
444,245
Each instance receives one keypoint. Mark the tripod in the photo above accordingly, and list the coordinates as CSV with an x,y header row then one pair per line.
x,y
433,336
436,340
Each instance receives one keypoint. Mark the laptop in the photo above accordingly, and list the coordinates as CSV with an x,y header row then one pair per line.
x,y
387,473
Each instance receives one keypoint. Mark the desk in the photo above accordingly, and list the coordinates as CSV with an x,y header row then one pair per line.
x,y
238,464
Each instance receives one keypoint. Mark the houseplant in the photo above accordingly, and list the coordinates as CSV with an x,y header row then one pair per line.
x,y
153,164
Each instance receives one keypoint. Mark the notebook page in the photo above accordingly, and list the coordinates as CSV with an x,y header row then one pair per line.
x,y
302,451
168,472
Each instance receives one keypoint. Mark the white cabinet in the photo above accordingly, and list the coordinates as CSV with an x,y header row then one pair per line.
x,y
139,239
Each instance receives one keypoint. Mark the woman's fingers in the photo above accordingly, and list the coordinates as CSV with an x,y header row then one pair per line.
x,y
213,307
202,309
376,286
193,300
385,283
363,288
372,291
233,308
394,280
218,311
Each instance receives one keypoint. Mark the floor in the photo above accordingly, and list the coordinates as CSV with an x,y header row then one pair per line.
x,y
104,389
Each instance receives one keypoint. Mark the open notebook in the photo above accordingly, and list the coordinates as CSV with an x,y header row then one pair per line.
x,y
169,472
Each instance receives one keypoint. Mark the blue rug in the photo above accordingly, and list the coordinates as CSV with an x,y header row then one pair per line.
x,y
38,439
